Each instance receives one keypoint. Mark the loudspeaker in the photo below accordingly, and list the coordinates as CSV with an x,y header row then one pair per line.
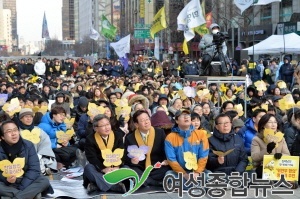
x,y
239,55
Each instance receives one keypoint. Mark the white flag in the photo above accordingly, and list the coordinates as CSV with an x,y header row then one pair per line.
x,y
191,15
94,34
243,4
189,34
156,48
265,2
122,46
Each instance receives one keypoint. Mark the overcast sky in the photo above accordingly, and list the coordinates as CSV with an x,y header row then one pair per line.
x,y
30,18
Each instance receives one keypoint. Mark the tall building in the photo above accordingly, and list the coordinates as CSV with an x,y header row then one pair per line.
x,y
86,13
70,29
7,29
1,23
12,6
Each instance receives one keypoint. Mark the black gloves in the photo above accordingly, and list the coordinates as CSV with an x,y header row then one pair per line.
x,y
277,156
121,121
270,147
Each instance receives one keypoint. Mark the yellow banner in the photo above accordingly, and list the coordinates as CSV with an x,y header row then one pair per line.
x,y
287,165
185,47
142,8
159,22
202,29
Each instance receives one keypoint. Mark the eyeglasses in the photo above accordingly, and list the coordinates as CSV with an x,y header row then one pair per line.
x,y
11,131
103,126
224,123
62,114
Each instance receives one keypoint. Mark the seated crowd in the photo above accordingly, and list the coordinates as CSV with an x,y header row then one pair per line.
x,y
181,124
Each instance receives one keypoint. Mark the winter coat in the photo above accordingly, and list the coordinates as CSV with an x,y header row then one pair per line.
x,y
116,71
28,69
255,73
32,165
207,40
286,72
69,67
129,71
180,141
191,69
51,128
291,131
174,69
248,132
82,125
259,149
107,69
236,161
166,69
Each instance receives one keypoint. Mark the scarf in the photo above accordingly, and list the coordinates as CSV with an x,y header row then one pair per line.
x,y
150,143
12,151
101,144
26,127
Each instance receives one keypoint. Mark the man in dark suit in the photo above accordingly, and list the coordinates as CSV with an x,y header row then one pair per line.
x,y
146,135
95,146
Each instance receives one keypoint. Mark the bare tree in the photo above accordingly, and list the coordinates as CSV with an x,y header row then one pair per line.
x,y
86,46
53,48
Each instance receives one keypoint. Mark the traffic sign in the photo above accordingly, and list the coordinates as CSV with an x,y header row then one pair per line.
x,y
142,33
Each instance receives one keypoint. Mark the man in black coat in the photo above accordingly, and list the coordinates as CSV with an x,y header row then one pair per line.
x,y
103,139
146,135
13,149
224,139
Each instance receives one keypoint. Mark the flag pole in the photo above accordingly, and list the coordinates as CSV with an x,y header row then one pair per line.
x,y
253,29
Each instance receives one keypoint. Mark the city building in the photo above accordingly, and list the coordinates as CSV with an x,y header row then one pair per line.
x,y
7,29
70,13
11,5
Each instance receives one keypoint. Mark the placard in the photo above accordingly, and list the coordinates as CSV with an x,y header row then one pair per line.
x,y
112,158
137,152
33,135
190,160
287,165
12,169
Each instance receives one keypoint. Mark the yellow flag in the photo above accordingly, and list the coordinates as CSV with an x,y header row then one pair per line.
x,y
185,47
159,22
202,29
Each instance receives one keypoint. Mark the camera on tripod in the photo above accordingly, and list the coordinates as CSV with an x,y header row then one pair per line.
x,y
219,38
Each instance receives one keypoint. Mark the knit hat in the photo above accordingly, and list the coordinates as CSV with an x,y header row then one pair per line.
x,y
25,111
118,90
83,102
161,120
237,123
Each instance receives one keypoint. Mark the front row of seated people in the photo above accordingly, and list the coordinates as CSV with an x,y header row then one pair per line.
x,y
172,151
184,142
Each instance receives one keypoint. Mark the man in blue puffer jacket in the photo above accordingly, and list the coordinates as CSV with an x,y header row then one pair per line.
x,y
248,131
53,122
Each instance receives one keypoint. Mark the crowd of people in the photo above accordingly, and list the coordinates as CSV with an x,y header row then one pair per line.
x,y
58,114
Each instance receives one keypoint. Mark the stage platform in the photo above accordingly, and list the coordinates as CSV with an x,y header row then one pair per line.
x,y
217,79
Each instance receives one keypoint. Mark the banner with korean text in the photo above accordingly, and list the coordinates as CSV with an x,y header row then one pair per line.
x,y
287,165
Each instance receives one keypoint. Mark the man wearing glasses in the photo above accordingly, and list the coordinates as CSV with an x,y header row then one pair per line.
x,y
224,139
18,153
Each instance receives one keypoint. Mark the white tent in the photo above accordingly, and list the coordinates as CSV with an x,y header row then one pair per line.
x,y
275,44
